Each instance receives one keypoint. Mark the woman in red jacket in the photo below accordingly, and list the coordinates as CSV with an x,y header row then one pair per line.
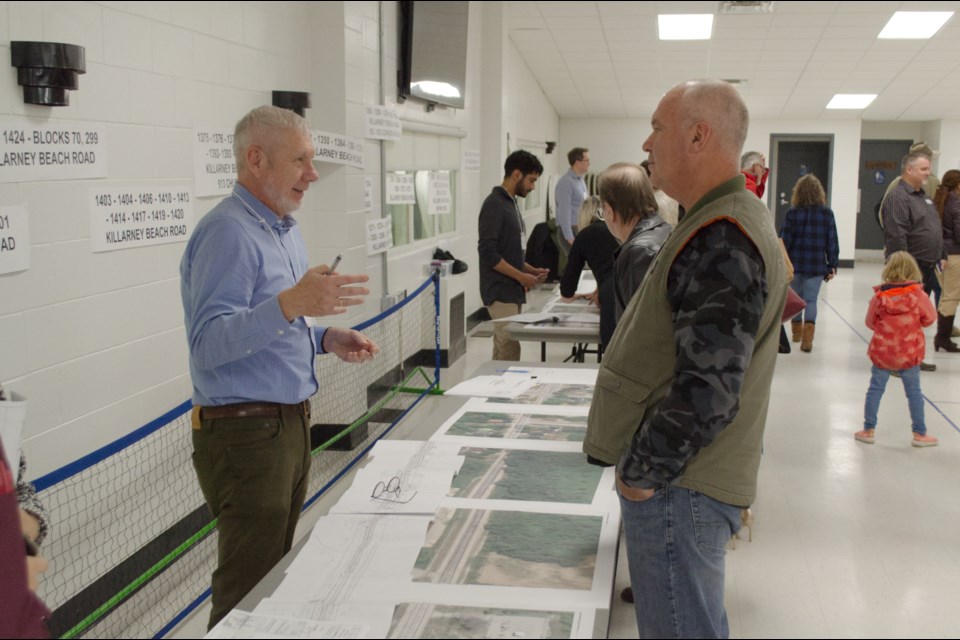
x,y
897,314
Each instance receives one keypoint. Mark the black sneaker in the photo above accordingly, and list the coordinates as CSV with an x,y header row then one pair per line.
x,y
926,366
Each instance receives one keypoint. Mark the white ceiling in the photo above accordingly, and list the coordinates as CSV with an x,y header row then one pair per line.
x,y
604,60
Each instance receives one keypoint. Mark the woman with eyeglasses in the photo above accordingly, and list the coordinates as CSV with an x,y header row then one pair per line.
x,y
629,208
594,246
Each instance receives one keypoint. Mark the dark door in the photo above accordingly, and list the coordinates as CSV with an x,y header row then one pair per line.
x,y
792,158
879,165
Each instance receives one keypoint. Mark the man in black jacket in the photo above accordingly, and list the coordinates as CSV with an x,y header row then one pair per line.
x,y
505,275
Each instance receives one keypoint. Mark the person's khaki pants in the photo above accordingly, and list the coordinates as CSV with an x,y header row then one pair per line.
x,y
503,347
951,287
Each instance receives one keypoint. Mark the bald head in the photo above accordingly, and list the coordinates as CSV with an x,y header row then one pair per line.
x,y
699,128
718,104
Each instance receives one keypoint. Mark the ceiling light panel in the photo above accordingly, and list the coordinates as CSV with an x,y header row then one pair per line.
x,y
851,100
909,25
685,26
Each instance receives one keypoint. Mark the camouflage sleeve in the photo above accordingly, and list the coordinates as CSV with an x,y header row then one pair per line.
x,y
716,289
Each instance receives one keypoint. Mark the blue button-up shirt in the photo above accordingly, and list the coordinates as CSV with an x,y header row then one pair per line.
x,y
240,256
570,193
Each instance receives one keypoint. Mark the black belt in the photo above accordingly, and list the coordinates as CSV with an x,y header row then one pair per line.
x,y
253,410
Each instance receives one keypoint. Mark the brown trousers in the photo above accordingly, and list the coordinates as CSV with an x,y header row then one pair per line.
x,y
253,473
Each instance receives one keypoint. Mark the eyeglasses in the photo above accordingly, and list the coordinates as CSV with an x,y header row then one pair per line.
x,y
599,213
391,487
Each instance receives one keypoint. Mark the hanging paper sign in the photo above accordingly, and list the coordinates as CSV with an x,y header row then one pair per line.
x,y
125,217
379,236
470,161
383,123
50,151
441,200
368,193
14,239
336,148
401,188
214,169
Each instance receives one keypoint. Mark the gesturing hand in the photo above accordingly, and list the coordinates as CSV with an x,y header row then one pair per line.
x,y
349,345
320,294
528,280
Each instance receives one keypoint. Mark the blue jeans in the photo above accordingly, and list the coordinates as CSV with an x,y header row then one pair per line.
x,y
676,542
808,288
911,386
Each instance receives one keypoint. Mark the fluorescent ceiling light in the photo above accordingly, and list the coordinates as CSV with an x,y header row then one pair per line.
x,y
687,26
915,25
851,100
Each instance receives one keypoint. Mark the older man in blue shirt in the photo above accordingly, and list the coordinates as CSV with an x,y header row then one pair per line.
x,y
248,299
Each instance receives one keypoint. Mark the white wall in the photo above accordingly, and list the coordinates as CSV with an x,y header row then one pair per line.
x,y
611,140
949,146
96,341
891,130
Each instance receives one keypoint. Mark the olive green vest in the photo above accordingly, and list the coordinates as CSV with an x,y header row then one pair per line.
x,y
638,365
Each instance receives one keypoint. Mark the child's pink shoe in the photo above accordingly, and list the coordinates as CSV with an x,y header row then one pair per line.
x,y
924,440
864,436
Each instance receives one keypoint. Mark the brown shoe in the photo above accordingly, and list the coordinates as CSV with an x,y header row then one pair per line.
x,y
806,343
797,328
627,595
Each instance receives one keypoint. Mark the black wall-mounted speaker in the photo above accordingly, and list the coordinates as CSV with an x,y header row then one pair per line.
x,y
48,70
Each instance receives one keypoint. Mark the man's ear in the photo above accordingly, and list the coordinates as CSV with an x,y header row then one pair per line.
x,y
700,136
256,160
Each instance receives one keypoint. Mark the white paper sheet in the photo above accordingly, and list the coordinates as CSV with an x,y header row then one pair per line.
x,y
348,557
415,454
556,375
12,413
585,317
240,624
376,615
490,387
577,306
389,489
529,318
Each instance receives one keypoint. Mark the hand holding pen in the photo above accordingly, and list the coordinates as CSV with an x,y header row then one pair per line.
x,y
322,292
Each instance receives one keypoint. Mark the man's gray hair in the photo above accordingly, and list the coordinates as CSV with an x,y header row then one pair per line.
x,y
259,127
719,104
749,159
911,159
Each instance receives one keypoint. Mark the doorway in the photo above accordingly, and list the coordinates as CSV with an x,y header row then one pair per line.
x,y
791,158
879,166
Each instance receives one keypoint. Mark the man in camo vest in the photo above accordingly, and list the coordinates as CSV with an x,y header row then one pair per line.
x,y
682,394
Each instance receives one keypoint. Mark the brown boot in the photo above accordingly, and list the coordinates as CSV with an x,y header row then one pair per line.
x,y
942,339
797,328
806,343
